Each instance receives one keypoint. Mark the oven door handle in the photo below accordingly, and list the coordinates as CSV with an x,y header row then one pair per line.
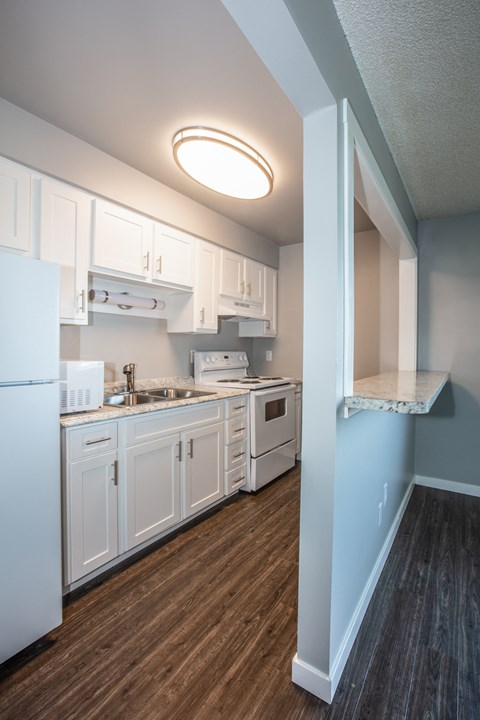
x,y
270,391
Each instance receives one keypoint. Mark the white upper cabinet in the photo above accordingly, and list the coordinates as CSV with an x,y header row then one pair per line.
x,y
267,327
122,242
129,245
254,285
65,239
15,183
173,256
232,281
241,278
197,313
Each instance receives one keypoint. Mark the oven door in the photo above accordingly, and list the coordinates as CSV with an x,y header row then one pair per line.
x,y
272,418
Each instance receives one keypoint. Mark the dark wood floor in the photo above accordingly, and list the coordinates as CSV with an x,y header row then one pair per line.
x,y
204,627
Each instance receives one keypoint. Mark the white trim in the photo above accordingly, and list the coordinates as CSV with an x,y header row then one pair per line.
x,y
448,485
407,314
311,679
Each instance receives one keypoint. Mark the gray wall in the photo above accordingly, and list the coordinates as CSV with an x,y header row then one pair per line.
x,y
448,439
287,347
117,340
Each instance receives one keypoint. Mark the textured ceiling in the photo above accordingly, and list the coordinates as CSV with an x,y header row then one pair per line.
x,y
420,63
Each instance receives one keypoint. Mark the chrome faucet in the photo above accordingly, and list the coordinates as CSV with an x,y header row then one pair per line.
x,y
129,371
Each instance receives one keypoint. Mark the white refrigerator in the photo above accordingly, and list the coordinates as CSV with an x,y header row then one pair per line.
x,y
30,507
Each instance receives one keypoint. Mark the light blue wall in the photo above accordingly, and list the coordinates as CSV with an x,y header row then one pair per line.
x,y
448,439
373,448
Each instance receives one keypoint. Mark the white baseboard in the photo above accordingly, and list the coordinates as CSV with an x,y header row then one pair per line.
x,y
312,679
448,485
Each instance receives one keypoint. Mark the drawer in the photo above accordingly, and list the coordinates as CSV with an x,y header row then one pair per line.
x,y
236,429
155,424
235,479
236,406
92,439
235,455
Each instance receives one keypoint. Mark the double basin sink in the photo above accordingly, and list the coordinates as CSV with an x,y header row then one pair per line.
x,y
142,397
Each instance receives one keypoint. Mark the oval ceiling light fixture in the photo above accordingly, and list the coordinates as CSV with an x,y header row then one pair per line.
x,y
223,163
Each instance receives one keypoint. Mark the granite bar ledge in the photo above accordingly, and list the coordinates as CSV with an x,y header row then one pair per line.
x,y
402,391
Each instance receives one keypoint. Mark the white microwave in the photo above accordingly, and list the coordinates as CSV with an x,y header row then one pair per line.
x,y
81,385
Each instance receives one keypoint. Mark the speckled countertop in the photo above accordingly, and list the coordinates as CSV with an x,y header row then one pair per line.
x,y
401,391
115,412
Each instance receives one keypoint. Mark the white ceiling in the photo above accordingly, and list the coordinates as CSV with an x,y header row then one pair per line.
x,y
420,64
125,76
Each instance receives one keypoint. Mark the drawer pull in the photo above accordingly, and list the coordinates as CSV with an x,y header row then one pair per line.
x,y
239,430
98,440
239,455
239,407
235,482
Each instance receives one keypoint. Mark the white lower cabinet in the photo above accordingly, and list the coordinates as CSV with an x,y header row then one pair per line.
x,y
93,517
169,466
203,469
152,485
237,449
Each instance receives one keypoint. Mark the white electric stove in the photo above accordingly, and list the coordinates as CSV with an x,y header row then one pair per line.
x,y
271,415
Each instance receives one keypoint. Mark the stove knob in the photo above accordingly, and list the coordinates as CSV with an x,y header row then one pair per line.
x,y
213,359
207,359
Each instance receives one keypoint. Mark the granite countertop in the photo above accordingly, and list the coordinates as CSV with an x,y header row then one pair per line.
x,y
109,412
401,391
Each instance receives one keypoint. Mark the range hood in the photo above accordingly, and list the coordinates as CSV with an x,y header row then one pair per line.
x,y
234,310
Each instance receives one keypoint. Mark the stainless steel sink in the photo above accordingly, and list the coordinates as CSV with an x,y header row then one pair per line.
x,y
130,399
172,393
142,397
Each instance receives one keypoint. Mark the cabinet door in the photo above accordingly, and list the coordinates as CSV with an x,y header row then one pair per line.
x,y
254,290
206,287
122,242
264,328
92,529
65,239
14,207
231,274
203,479
173,256
152,488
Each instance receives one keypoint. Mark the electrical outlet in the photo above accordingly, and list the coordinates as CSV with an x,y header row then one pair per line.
x,y
269,355
380,514
385,493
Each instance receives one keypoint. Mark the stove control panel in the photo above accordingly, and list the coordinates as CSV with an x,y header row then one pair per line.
x,y
219,360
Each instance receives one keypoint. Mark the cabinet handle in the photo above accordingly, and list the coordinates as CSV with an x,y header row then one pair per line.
x,y
191,448
83,301
242,287
239,430
179,456
202,316
146,267
159,265
249,289
101,439
238,455
235,482
268,324
115,474
239,407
